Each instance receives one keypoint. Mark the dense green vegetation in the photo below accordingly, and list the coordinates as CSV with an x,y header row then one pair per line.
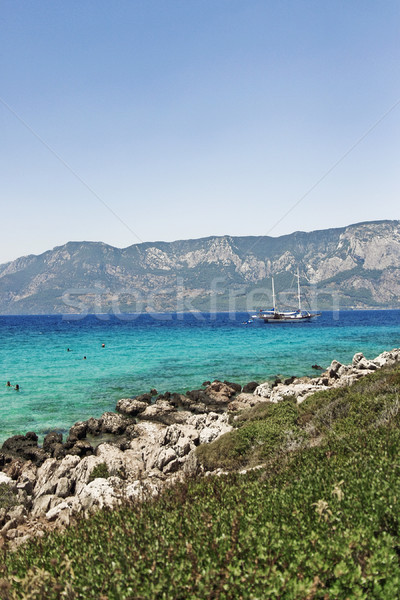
x,y
319,519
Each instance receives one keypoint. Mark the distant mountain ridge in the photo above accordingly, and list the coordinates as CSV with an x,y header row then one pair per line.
x,y
356,266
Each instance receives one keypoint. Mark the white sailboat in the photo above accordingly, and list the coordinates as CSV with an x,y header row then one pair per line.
x,y
276,316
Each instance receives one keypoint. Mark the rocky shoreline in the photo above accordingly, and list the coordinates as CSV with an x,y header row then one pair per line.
x,y
148,443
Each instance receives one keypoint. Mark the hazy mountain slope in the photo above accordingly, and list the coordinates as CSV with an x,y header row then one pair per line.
x,y
355,266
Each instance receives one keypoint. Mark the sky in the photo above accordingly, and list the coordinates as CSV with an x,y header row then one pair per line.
x,y
146,120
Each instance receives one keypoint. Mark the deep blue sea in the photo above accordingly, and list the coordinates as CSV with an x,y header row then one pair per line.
x,y
174,352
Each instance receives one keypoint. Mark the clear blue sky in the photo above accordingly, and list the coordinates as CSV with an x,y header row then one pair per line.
x,y
191,118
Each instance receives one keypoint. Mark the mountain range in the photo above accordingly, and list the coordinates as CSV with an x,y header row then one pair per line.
x,y
350,267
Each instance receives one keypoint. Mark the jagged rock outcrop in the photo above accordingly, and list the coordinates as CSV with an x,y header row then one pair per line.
x,y
25,446
337,375
132,406
141,457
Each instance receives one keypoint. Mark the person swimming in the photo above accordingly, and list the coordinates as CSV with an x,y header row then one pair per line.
x,y
16,387
8,384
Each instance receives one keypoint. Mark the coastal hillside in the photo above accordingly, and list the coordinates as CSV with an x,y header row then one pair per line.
x,y
303,503
351,267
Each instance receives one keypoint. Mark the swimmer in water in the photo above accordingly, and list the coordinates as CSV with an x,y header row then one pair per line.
x,y
8,384
16,387
103,345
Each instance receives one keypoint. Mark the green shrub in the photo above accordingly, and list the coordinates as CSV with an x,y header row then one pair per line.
x,y
259,434
99,471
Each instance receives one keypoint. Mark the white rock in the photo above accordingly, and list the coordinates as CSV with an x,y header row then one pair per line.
x,y
157,411
29,471
244,400
83,471
387,358
73,504
183,447
6,480
172,434
164,457
300,391
198,421
191,433
100,493
175,432
346,380
131,406
112,456
64,487
213,416
25,485
139,490
44,476
113,423
356,358
50,473
365,364
41,505
54,512
191,464
263,390
18,512
208,435
148,433
134,490
344,370
334,368
172,467
380,360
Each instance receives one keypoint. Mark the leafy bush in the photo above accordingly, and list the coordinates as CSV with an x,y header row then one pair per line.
x,y
99,471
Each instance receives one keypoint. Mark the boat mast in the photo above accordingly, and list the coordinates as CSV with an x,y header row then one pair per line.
x,y
298,288
273,296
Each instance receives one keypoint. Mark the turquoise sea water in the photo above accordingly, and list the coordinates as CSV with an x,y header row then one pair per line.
x,y
167,352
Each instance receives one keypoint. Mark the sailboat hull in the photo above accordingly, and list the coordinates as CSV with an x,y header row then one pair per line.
x,y
279,318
